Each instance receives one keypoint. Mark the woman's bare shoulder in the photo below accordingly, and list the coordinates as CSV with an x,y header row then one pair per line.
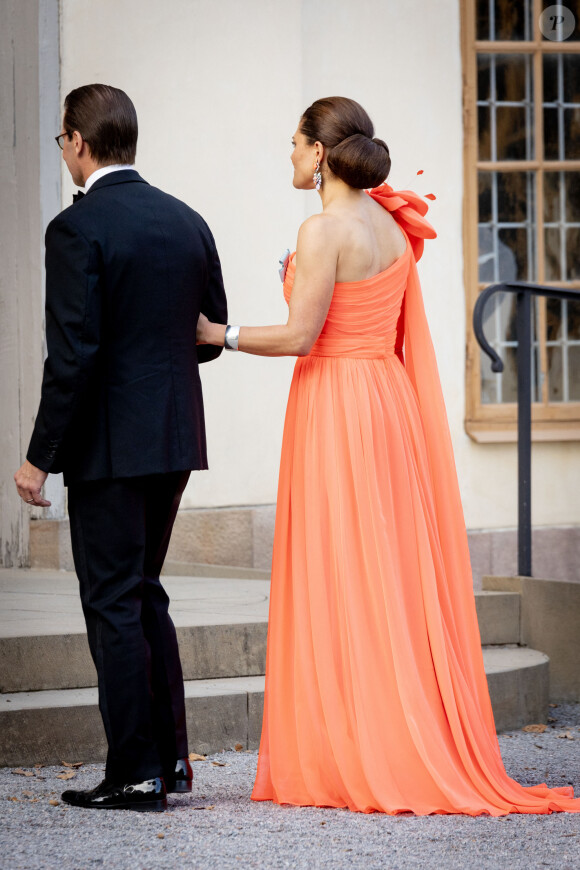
x,y
318,231
318,244
384,221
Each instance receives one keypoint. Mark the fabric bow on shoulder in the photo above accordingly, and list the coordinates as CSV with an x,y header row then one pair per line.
x,y
408,209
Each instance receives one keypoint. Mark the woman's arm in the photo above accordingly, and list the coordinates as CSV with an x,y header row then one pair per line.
x,y
316,259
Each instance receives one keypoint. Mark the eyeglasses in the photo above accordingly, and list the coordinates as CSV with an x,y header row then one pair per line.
x,y
60,140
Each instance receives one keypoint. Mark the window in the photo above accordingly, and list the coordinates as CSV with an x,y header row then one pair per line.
x,y
522,207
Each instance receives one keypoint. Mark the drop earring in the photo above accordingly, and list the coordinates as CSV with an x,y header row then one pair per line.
x,y
317,177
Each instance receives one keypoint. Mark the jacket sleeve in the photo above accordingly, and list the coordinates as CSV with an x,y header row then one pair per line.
x,y
73,335
214,304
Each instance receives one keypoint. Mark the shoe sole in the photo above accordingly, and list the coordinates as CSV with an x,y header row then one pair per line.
x,y
180,788
152,807
149,807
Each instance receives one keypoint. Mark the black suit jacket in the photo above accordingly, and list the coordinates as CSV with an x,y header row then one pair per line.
x,y
128,269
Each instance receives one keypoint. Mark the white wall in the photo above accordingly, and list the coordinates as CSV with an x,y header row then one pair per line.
x,y
219,88
29,190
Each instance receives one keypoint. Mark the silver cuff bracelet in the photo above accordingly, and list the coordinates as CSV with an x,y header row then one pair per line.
x,y
232,337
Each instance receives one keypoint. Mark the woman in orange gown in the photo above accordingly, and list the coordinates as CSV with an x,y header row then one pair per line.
x,y
376,696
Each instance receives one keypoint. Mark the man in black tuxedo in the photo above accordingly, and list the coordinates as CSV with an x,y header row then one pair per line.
x,y
128,270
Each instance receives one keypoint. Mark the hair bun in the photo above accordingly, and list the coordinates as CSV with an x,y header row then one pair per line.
x,y
346,131
360,161
380,142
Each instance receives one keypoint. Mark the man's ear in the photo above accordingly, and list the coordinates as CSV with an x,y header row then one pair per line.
x,y
78,142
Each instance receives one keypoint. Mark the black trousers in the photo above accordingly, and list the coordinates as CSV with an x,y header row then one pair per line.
x,y
120,532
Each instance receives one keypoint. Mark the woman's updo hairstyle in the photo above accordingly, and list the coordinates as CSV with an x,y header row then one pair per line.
x,y
346,131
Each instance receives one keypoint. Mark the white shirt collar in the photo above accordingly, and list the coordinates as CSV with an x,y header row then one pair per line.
x,y
104,170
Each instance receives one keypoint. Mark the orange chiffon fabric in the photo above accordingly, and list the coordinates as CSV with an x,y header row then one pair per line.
x,y
376,696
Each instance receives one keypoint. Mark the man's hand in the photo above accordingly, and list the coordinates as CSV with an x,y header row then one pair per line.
x,y
29,482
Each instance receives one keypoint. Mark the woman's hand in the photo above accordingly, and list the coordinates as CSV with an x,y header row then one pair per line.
x,y
208,332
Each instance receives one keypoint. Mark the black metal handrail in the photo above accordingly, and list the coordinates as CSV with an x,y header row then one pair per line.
x,y
523,292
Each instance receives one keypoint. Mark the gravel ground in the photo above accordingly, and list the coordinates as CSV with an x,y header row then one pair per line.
x,y
217,826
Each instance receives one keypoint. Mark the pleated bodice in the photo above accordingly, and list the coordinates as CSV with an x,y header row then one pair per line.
x,y
362,318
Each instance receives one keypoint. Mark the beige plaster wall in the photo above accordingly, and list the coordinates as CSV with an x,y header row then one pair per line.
x,y
29,190
219,88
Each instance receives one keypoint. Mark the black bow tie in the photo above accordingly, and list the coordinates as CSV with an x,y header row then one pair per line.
x,y
77,196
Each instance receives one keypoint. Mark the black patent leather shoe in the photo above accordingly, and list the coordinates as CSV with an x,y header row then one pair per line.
x,y
149,796
181,781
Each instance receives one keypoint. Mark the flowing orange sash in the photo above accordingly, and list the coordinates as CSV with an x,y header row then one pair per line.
x,y
457,599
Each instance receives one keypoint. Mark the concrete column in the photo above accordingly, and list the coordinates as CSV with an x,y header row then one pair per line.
x,y
30,196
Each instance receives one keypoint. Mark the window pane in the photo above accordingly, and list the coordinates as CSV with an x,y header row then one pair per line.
x,y
484,132
500,327
504,77
513,196
572,133
508,327
574,374
510,375
561,78
562,197
574,320
551,196
562,243
482,22
551,137
516,245
553,319
498,255
571,75
483,77
484,196
550,73
486,255
574,7
562,120
572,195
498,388
512,20
553,254
572,254
506,253
489,381
512,133
512,72
555,386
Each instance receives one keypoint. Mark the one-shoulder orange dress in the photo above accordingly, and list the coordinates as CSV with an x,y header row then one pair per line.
x,y
376,696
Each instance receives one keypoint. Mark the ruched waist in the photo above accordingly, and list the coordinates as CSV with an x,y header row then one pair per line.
x,y
355,346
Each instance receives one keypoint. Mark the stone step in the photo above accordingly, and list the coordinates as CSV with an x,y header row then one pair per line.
x,y
498,615
519,685
63,661
65,725
54,726
221,627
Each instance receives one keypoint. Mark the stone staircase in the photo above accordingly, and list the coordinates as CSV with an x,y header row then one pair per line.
x,y
48,705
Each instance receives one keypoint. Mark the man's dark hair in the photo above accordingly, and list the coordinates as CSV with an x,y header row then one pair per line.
x,y
106,119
